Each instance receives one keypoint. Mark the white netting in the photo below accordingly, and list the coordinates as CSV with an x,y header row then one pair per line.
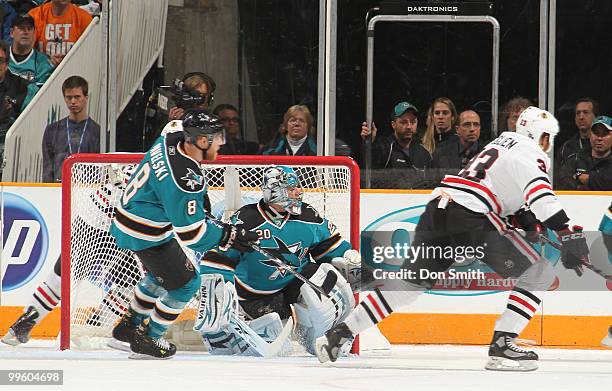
x,y
103,276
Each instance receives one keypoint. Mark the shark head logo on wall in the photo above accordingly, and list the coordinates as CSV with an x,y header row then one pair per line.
x,y
25,241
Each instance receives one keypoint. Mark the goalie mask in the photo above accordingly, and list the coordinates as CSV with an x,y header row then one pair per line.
x,y
534,122
278,181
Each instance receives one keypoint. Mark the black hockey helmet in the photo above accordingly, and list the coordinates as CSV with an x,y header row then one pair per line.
x,y
198,122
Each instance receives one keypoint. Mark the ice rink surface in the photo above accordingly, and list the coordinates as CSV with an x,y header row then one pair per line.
x,y
409,367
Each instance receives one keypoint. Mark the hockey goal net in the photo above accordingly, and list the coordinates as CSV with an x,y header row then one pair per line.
x,y
98,277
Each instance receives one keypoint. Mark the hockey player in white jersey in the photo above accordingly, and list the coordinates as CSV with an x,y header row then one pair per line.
x,y
467,209
112,261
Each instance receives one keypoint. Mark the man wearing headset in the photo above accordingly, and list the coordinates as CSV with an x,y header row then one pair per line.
x,y
200,84
402,149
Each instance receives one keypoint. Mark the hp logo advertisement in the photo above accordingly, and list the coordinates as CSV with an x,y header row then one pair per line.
x,y
25,242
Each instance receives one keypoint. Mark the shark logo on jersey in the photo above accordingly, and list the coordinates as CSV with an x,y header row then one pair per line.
x,y
236,218
292,254
192,179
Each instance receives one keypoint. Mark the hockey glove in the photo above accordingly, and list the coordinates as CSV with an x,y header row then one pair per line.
x,y
574,249
237,237
526,220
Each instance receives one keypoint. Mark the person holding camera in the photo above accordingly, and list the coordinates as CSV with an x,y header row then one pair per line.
x,y
195,91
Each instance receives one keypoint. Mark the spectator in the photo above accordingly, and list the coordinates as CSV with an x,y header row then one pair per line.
x,y
234,145
77,133
594,169
197,84
25,61
295,135
13,91
441,118
402,149
586,111
510,113
460,148
58,25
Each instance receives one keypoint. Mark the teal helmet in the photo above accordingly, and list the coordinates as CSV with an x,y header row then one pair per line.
x,y
277,180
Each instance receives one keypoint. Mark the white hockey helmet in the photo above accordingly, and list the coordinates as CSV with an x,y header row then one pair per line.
x,y
533,122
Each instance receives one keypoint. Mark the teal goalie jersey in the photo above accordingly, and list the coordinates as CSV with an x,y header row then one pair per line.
x,y
296,239
163,199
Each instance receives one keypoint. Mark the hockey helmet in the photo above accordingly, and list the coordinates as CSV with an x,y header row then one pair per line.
x,y
534,122
277,180
197,122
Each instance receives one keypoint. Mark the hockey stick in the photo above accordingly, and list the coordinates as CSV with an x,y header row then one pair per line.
x,y
280,263
587,265
266,349
284,266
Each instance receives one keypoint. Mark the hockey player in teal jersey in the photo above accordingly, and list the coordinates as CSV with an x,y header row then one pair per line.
x,y
163,201
294,232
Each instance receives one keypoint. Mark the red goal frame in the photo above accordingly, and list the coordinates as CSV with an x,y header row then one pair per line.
x,y
126,158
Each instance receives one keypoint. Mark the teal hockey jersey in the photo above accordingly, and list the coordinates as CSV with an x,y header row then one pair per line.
x,y
35,69
165,198
297,239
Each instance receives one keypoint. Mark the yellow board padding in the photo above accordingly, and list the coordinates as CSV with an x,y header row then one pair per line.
x,y
403,328
477,329
47,328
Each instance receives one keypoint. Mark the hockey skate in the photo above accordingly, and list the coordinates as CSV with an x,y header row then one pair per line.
x,y
122,333
145,347
505,355
329,346
607,341
20,330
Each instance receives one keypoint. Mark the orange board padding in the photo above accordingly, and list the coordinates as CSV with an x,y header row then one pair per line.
x,y
419,328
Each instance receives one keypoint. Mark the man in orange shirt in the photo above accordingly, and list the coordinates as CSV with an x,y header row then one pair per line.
x,y
58,25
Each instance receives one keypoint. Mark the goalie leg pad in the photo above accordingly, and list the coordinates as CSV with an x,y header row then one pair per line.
x,y
315,313
218,303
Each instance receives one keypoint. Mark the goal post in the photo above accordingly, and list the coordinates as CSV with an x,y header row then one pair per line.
x,y
98,277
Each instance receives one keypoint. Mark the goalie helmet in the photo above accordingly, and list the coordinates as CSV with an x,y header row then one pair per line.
x,y
277,180
534,122
201,123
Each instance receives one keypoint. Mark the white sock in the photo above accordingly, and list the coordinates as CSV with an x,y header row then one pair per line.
x,y
377,306
522,305
46,296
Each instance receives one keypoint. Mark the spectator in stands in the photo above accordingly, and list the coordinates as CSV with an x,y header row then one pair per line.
x,y
594,168
234,144
460,148
441,118
9,11
58,25
296,135
25,61
401,149
77,133
196,84
13,92
586,110
510,113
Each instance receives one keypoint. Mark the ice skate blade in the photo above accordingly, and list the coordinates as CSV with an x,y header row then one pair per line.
x,y
505,364
607,341
140,356
10,339
118,345
321,349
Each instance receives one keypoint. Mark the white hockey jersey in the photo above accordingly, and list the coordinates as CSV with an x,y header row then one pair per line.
x,y
511,171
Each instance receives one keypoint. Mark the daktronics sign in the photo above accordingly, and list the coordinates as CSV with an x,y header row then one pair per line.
x,y
25,241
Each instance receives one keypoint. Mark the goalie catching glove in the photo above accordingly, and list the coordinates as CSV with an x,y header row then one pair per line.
x,y
236,236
